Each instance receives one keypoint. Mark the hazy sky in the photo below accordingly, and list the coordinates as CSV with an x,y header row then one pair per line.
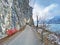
x,y
45,9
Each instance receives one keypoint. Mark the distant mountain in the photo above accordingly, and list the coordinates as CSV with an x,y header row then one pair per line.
x,y
55,20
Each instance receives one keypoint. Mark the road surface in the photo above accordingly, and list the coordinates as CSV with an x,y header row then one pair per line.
x,y
27,37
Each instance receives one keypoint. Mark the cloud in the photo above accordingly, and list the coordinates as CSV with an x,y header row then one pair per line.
x,y
44,12
49,11
36,11
50,7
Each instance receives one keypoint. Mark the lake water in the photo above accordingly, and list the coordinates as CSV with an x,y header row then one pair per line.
x,y
55,27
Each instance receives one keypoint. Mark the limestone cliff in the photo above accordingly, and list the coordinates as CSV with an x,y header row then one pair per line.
x,y
15,13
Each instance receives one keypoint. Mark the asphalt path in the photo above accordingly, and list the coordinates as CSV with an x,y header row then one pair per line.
x,y
27,37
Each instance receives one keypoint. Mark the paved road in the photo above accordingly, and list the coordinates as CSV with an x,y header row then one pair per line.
x,y
27,37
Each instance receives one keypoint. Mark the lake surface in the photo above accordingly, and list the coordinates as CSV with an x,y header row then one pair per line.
x,y
54,27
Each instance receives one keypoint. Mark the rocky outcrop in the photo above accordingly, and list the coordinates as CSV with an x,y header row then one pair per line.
x,y
15,13
23,11
4,12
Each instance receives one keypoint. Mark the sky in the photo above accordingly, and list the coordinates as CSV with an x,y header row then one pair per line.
x,y
45,9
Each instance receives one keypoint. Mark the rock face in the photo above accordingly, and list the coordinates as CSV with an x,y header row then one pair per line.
x,y
15,13
4,12
22,10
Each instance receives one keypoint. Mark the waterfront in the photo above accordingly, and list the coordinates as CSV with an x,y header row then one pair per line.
x,y
54,27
